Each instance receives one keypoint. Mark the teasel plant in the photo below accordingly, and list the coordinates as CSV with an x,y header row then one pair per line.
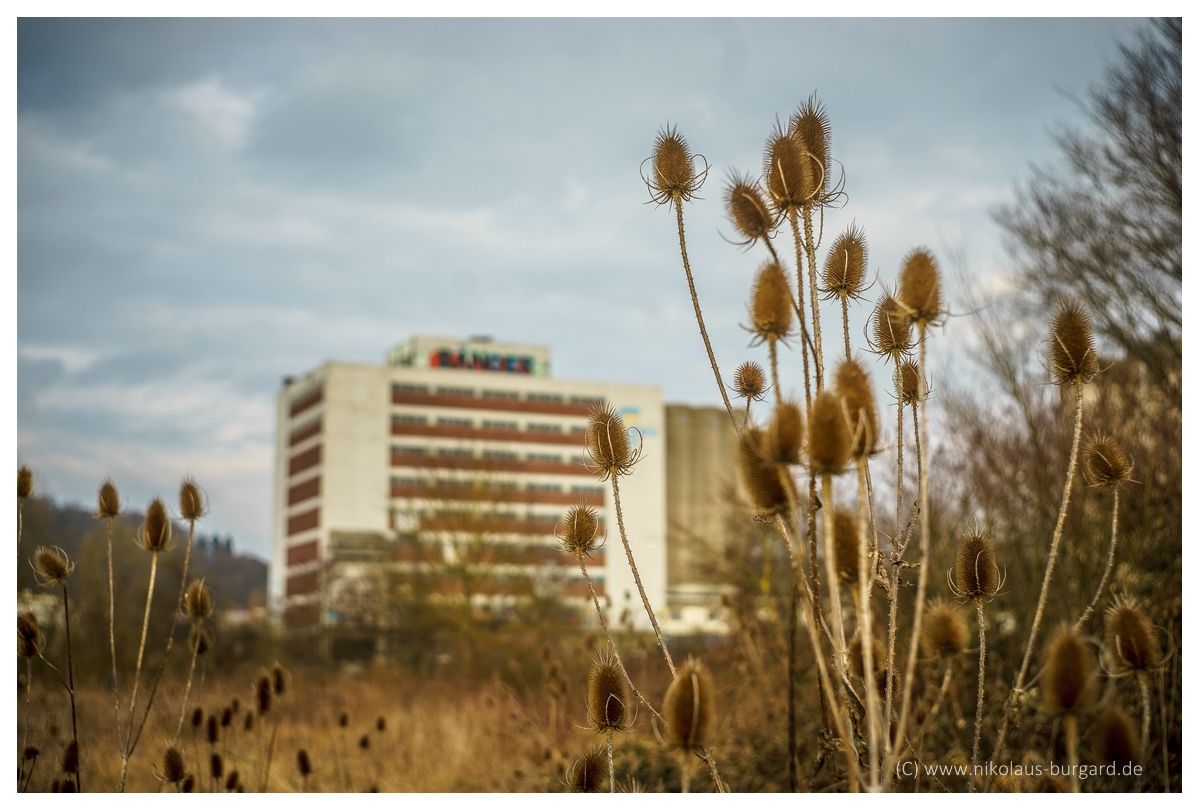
x,y
28,648
976,577
608,704
844,273
52,568
1073,363
24,490
1133,651
944,638
197,605
1069,688
1105,466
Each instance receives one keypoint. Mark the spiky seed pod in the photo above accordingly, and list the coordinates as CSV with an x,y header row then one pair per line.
x,y
788,170
608,442
1115,738
226,717
909,382
845,545
672,169
279,679
364,742
189,783
580,530
920,287
51,565
27,634
68,760
1072,357
212,728
829,442
747,209
845,265
192,503
216,765
304,762
172,766
263,694
608,707
197,717
343,720
852,384
944,633
586,773
249,724
891,330
197,601
771,309
24,482
689,707
108,500
810,125
232,780
235,704
1068,683
750,382
765,481
976,572
198,641
1105,463
156,528
381,724
1130,638
786,433
31,752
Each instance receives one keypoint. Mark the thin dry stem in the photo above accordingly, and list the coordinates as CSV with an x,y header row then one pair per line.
x,y
865,579
978,709
1111,561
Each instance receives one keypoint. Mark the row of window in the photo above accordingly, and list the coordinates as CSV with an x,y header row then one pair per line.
x,y
504,486
490,455
452,391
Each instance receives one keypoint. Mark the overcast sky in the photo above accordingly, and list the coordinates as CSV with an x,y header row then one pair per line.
x,y
205,206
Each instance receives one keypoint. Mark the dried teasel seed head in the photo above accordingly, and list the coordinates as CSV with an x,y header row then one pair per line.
x,y
788,170
189,783
810,125
232,780
672,177
786,433
608,442
199,642
343,720
891,331
1072,357
580,530
945,633
263,694
829,441
172,766
279,679
197,601
381,724
27,634
908,382
31,752
920,288
845,545
52,565
1068,683
852,385
1114,738
845,264
68,760
24,482
226,717
747,209
212,729
586,773
249,722
976,572
108,500
216,765
689,707
770,305
364,742
1105,463
765,481
304,762
155,534
192,503
197,717
750,382
608,704
1130,638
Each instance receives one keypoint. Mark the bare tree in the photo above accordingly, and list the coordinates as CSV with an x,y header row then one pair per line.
x,y
1107,226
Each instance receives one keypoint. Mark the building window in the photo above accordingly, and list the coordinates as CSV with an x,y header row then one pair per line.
x,y
494,425
449,421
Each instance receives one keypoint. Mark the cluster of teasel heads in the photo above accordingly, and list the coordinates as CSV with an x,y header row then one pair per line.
x,y
53,569
836,428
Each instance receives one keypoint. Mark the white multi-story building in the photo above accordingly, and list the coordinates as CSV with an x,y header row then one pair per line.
x,y
456,453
